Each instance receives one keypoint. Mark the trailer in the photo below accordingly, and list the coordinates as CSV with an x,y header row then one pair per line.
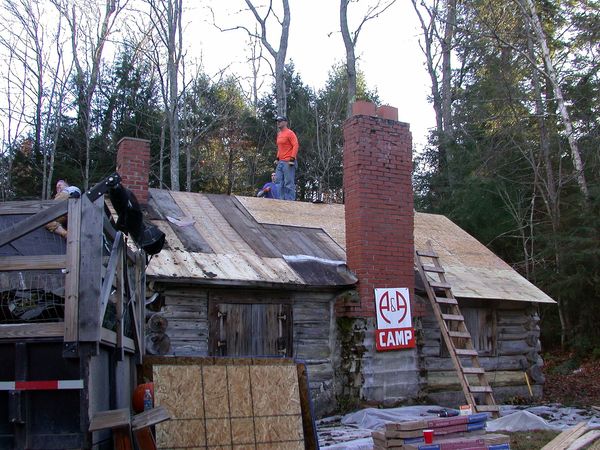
x,y
71,321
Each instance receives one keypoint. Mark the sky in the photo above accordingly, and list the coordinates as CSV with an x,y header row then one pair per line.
x,y
387,51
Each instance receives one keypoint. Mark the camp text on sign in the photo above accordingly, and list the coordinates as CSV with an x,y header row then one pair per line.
x,y
394,320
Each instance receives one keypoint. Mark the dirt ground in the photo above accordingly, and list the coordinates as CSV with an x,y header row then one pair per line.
x,y
571,382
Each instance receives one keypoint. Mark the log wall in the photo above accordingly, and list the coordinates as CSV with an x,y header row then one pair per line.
x,y
515,352
186,310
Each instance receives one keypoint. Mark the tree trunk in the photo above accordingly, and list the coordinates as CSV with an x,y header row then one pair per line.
x,y
279,54
350,56
174,48
532,16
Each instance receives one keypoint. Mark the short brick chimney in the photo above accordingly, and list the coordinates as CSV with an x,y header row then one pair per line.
x,y
133,164
379,206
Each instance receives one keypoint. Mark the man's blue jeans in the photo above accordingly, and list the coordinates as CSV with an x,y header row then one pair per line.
x,y
285,174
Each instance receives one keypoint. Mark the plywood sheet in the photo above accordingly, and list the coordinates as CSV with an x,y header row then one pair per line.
x,y
228,403
329,217
179,389
273,382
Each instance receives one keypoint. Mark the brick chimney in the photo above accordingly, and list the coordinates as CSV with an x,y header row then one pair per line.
x,y
133,164
378,204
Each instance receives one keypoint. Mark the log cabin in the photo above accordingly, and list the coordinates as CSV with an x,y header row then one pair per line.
x,y
244,276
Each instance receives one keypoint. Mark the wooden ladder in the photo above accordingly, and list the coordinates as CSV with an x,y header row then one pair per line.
x,y
455,333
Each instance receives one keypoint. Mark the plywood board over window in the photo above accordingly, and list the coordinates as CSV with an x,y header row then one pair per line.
x,y
229,403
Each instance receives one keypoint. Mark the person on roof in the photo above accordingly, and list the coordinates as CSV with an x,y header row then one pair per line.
x,y
270,189
64,191
287,150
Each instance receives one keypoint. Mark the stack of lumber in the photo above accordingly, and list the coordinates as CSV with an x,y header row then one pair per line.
x,y
575,438
460,432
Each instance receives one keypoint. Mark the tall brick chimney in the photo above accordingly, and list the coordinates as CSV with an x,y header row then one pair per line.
x,y
378,204
133,164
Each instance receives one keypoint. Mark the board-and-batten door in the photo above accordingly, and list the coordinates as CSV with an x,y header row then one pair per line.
x,y
249,329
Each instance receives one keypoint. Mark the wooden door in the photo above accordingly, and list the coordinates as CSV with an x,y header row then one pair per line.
x,y
249,329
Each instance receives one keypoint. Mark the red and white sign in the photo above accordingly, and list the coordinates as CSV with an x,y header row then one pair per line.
x,y
49,385
394,321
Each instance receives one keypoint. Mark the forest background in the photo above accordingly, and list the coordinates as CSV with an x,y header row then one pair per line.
x,y
514,157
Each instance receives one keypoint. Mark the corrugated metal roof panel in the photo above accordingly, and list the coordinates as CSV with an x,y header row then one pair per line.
x,y
242,250
175,264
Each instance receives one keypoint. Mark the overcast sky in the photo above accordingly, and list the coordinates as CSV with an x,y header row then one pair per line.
x,y
388,50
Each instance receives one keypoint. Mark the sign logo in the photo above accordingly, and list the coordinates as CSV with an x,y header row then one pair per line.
x,y
394,320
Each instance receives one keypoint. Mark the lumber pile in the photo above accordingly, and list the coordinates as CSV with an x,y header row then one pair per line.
x,y
460,432
575,438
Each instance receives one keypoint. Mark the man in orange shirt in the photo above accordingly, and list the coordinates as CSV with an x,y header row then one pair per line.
x,y
287,150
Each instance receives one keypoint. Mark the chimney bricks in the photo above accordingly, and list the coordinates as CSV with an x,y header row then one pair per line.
x,y
379,210
133,164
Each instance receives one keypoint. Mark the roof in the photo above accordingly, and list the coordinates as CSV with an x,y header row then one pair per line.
x,y
256,240
212,238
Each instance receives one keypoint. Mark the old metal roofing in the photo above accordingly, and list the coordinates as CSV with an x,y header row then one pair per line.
x,y
214,239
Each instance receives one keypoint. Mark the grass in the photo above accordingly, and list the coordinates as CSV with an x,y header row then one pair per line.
x,y
530,440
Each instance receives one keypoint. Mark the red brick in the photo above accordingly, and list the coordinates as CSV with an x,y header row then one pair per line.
x,y
133,164
379,206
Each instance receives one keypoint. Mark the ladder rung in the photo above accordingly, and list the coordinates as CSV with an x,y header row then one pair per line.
x,y
465,352
478,389
455,317
459,334
487,408
446,300
473,370
427,254
433,269
436,284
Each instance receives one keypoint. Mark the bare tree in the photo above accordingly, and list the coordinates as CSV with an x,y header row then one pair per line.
x,y
277,66
438,22
351,38
279,54
43,75
530,12
90,28
165,17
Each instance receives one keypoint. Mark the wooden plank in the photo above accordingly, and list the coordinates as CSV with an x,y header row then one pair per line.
x,y
120,308
43,262
32,222
110,419
446,301
585,440
164,203
150,417
112,267
141,287
567,437
247,228
70,347
433,269
466,352
109,337
90,269
459,334
439,285
308,424
480,389
25,207
454,317
473,370
137,307
488,408
32,330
